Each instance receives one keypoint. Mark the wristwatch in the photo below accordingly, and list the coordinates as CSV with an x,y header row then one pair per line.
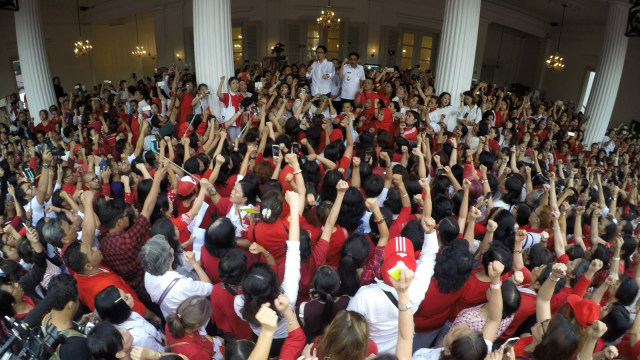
x,y
405,307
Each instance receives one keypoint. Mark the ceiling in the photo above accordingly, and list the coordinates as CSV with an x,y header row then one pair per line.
x,y
578,11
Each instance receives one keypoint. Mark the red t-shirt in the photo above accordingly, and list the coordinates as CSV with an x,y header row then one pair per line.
x,y
272,237
403,218
185,107
474,293
307,268
387,121
432,314
526,309
196,348
210,266
90,286
235,100
335,245
224,315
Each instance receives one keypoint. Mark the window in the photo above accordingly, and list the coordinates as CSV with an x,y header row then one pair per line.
x,y
333,42
236,39
17,71
313,40
416,49
407,50
588,83
425,52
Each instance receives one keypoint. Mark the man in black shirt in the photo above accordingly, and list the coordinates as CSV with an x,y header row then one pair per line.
x,y
61,316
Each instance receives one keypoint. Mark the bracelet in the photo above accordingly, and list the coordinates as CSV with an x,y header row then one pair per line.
x,y
552,279
615,258
378,221
483,181
555,228
297,172
45,166
496,286
267,254
405,195
517,251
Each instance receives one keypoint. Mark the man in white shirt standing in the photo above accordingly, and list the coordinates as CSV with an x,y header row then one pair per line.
x,y
320,73
352,76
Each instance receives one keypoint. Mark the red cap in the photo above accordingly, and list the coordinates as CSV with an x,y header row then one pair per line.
x,y
186,186
336,134
398,253
586,311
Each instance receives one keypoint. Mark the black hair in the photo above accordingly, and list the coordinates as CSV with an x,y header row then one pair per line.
x,y
414,232
192,165
111,306
444,208
627,291
393,202
388,219
74,258
544,275
328,190
326,286
353,254
510,299
353,53
448,229
220,237
453,266
104,341
523,211
66,289
111,211
513,185
260,285
601,253
351,210
618,322
273,201
232,267
166,228
497,252
574,251
539,255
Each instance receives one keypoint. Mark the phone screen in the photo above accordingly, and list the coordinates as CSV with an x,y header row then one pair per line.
x,y
275,150
295,148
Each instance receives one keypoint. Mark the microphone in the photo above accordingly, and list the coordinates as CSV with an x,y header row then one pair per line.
x,y
34,318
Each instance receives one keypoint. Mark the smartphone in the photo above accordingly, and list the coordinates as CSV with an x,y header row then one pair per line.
x,y
103,165
107,81
154,145
258,85
160,83
390,69
40,148
77,87
560,102
571,133
367,156
275,151
295,148
146,108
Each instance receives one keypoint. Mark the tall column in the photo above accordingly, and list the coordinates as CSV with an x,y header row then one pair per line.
x,y
32,52
608,73
456,56
213,46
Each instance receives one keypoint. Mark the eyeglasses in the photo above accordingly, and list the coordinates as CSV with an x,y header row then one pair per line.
x,y
92,179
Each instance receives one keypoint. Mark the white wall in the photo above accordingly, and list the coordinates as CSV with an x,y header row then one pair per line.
x,y
626,107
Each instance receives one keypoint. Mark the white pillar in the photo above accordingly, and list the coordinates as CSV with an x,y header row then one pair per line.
x,y
457,52
38,84
608,73
213,47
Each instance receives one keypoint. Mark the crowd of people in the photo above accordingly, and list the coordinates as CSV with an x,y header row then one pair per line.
x,y
328,211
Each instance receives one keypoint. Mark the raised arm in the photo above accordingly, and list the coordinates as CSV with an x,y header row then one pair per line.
x,y
490,329
543,301
150,201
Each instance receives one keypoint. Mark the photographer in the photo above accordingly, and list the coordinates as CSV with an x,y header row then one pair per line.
x,y
61,317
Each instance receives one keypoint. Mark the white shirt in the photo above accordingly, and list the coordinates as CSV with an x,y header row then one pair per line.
x,y
289,288
451,113
381,314
473,113
336,84
434,354
318,84
181,290
351,78
143,333
37,210
609,148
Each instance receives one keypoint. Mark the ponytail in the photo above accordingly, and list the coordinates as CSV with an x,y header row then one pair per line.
x,y
176,328
347,269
